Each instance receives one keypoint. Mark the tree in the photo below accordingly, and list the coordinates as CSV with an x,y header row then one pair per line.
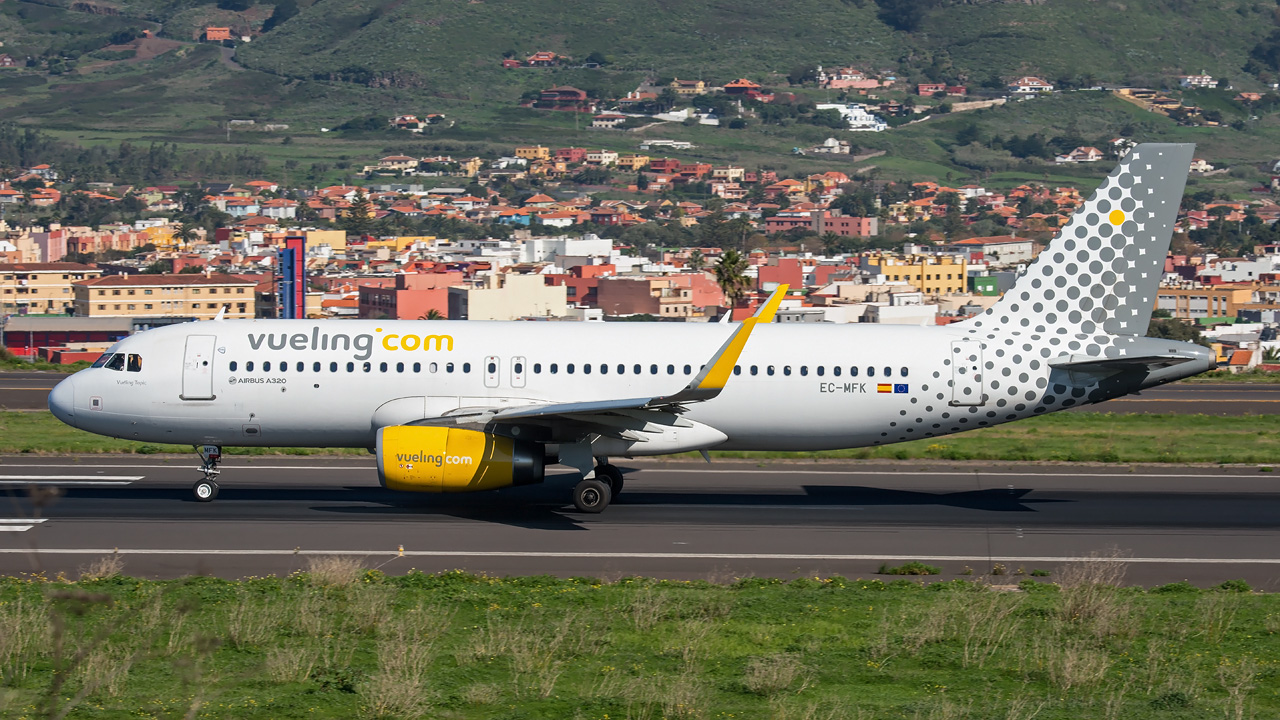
x,y
432,314
731,276
357,221
185,234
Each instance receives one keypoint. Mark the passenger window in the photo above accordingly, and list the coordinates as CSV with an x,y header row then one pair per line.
x,y
904,372
687,370
804,370
554,368
333,367
417,367
671,369
493,368
636,369
448,367
399,367
755,370
836,371
301,366
232,366
433,367
382,367
871,372
569,368
604,369
737,369
888,371
537,368
266,366
622,369
853,371
315,367
135,363
786,370
368,367
653,369
351,367
466,367
586,368
821,371
248,367
116,362
519,368
284,366
769,370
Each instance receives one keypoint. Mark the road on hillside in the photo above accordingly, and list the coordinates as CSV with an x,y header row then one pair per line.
x,y
679,520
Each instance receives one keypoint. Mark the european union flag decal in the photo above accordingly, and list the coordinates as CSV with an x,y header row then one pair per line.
x,y
900,388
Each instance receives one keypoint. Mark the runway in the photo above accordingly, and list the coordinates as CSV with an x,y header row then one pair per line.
x,y
677,520
30,391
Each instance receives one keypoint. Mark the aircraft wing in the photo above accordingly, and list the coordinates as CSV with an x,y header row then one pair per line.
x,y
707,384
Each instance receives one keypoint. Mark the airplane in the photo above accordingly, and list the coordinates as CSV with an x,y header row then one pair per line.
x,y
470,406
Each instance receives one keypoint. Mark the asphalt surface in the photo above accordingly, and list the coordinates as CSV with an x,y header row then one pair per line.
x,y
30,391
679,520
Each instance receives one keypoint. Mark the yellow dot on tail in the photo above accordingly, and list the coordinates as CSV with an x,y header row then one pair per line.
x,y
1116,217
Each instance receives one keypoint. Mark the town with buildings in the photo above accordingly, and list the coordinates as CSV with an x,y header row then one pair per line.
x,y
852,251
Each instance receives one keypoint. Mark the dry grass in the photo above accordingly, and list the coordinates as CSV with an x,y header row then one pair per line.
x,y
24,627
105,670
251,623
398,688
107,566
290,664
481,694
648,608
334,570
1090,595
1074,664
1237,678
775,674
369,608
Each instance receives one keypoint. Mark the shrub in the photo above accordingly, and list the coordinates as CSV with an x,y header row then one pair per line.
x,y
914,567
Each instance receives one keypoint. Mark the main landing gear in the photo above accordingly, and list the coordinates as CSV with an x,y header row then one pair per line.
x,y
206,489
593,495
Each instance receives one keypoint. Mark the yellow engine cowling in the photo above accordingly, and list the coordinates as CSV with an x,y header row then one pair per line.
x,y
447,459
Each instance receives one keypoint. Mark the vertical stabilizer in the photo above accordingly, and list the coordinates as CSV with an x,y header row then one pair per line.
x,y
1101,272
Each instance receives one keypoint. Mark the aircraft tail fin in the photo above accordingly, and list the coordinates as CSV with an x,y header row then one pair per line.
x,y
1101,272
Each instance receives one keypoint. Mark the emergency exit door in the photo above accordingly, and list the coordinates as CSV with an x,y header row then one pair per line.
x,y
966,373
197,368
492,367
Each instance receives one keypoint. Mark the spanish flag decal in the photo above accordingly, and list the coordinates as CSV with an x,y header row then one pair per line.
x,y
891,388
884,387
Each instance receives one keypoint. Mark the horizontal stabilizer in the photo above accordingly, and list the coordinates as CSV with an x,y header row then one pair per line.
x,y
1088,363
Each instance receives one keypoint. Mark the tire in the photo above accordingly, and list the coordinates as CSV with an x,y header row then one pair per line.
x,y
205,490
612,475
591,496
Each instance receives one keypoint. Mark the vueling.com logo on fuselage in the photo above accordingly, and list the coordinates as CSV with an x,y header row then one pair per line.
x,y
437,460
361,344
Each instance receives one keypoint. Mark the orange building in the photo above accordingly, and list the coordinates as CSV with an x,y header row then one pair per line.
x,y
217,34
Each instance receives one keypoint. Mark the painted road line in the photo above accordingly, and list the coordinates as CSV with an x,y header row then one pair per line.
x,y
19,524
79,480
644,555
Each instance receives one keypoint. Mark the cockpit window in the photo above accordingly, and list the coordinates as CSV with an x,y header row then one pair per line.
x,y
102,360
135,363
116,362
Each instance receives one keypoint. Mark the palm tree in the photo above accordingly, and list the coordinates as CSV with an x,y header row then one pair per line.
x,y
185,234
432,314
731,276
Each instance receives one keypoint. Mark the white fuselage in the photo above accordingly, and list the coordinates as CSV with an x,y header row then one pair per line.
x,y
796,387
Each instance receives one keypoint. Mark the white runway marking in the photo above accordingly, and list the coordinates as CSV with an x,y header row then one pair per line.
x,y
19,524
646,555
225,466
80,480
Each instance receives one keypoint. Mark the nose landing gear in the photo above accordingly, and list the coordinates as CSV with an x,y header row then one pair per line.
x,y
206,489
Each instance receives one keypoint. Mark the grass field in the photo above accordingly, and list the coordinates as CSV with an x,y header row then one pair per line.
x,y
339,641
1073,437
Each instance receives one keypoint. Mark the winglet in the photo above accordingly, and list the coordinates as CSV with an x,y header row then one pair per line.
x,y
222,313
715,374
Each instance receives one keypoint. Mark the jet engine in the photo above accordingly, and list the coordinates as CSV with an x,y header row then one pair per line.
x,y
449,459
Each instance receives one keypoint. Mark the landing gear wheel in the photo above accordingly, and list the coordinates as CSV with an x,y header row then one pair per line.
x,y
205,490
591,496
611,475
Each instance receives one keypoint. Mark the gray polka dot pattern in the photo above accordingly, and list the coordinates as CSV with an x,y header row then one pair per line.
x,y
1088,296
1101,272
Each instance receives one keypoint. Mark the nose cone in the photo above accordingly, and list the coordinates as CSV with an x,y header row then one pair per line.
x,y
62,401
